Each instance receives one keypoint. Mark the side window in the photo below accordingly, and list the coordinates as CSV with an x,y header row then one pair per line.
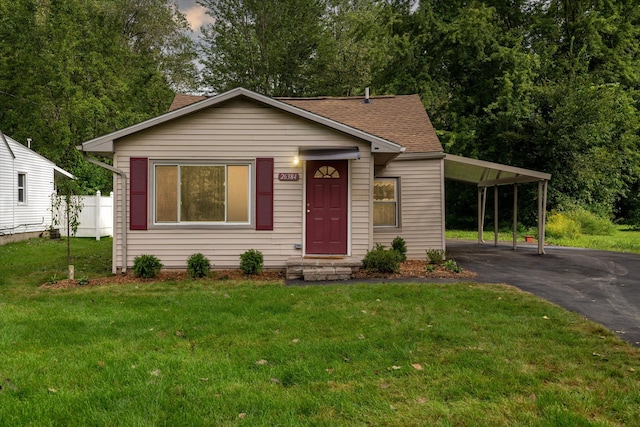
x,y
385,202
22,188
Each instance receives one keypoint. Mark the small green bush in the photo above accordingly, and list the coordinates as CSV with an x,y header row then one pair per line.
x,y
400,246
435,256
452,266
561,226
146,266
430,268
251,262
198,266
591,223
381,260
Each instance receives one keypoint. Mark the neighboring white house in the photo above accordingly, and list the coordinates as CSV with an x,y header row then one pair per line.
x,y
26,186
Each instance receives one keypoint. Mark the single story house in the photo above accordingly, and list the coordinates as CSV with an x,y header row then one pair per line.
x,y
306,181
27,184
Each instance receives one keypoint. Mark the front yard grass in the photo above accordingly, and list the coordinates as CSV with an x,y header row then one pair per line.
x,y
231,352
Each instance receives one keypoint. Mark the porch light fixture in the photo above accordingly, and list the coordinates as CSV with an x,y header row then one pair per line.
x,y
296,160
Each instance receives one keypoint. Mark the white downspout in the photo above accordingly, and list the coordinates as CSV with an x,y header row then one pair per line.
x,y
123,189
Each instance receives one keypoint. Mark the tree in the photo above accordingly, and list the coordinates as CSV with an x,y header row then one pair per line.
x,y
268,46
66,207
71,70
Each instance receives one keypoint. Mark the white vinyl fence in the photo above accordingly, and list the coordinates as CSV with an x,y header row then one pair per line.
x,y
96,218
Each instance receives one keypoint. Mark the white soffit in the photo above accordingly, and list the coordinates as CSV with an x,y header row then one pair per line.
x,y
487,174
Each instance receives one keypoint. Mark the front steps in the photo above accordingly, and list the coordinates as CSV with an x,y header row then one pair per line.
x,y
321,268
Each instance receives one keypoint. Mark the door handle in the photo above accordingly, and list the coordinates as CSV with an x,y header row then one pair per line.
x,y
308,211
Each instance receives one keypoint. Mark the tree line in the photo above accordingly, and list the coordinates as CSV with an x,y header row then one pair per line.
x,y
550,85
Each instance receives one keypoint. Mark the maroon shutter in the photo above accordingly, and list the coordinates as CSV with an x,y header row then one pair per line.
x,y
264,194
138,193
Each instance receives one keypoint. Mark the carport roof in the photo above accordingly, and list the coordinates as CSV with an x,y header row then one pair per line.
x,y
487,174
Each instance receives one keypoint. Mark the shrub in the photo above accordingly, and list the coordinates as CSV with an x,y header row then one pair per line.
x,y
452,266
435,256
251,262
381,260
561,226
399,245
591,223
198,265
146,266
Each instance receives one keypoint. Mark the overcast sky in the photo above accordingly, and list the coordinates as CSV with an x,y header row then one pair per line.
x,y
195,14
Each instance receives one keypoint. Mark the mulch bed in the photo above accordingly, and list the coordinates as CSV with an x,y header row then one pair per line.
x,y
409,269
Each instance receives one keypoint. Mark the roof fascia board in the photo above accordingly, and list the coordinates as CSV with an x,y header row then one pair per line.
x,y
20,146
421,156
98,144
498,166
507,181
4,138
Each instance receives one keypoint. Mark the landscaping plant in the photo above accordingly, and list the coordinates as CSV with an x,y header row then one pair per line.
x,y
198,266
251,262
400,246
381,260
146,266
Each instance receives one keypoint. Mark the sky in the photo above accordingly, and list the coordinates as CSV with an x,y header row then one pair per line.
x,y
196,14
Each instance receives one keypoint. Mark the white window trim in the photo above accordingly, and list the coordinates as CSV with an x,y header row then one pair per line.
x,y
23,188
396,201
203,224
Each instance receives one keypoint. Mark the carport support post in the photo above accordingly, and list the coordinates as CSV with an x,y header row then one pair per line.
x,y
515,216
542,214
480,217
495,215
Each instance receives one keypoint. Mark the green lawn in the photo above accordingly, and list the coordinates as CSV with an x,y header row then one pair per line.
x,y
225,353
622,240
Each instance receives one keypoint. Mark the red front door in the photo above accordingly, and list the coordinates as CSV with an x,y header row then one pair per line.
x,y
327,207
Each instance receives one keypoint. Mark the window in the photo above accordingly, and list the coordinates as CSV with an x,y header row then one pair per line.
x,y
190,193
326,172
22,188
385,202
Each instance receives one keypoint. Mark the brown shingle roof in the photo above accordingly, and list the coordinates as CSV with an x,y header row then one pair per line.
x,y
401,119
182,100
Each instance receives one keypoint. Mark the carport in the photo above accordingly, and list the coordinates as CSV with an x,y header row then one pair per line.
x,y
487,174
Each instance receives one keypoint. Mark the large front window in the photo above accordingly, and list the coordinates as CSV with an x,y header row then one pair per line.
x,y
385,202
215,193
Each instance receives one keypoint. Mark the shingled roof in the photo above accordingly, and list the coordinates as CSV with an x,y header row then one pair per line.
x,y
182,100
401,118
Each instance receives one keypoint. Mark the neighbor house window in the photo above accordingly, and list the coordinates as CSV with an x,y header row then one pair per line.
x,y
22,188
190,193
385,202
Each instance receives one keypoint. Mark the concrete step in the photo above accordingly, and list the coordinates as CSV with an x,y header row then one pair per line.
x,y
319,268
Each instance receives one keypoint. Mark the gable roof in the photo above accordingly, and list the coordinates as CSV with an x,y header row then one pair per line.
x,y
16,148
398,118
104,144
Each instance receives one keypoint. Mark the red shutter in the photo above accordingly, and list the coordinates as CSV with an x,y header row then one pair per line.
x,y
138,193
264,194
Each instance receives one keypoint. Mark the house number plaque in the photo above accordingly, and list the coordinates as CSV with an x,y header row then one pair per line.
x,y
290,176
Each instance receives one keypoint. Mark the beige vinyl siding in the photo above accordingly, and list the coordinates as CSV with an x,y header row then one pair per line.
x,y
240,131
420,205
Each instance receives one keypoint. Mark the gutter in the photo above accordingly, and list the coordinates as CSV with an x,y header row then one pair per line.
x,y
123,188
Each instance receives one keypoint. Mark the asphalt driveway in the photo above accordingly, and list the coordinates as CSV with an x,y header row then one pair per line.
x,y
602,286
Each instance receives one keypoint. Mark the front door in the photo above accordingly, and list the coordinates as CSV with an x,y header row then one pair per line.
x,y
327,211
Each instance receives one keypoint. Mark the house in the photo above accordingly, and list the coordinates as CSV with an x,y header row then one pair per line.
x,y
312,183
27,183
